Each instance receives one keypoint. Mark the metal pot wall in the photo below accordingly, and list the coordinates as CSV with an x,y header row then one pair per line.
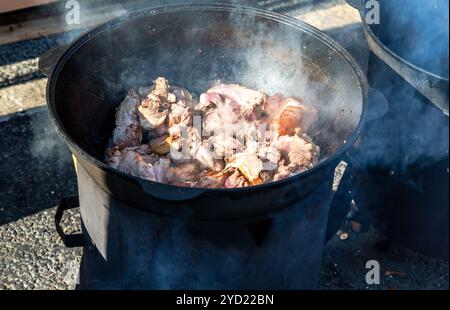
x,y
403,157
138,232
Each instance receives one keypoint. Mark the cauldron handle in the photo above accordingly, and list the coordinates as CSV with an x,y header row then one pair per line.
x,y
67,203
48,60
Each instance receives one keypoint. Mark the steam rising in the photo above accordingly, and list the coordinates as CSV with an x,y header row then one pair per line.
x,y
46,146
256,54
265,57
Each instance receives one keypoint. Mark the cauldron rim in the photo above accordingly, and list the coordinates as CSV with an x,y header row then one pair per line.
x,y
294,23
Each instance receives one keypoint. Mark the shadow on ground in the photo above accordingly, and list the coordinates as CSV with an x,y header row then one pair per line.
x,y
35,164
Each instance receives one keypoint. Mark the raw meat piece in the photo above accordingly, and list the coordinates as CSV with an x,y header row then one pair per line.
x,y
270,156
225,145
244,101
152,119
155,108
128,129
249,165
206,157
184,173
291,115
161,145
180,115
183,97
297,151
133,163
284,171
211,180
235,180
140,162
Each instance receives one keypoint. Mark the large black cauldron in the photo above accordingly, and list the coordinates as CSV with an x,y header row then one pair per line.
x,y
404,154
142,234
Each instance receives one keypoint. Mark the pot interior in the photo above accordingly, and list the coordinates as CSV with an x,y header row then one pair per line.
x,y
194,47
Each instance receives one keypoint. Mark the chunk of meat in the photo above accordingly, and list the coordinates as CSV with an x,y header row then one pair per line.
x,y
297,151
139,162
270,156
155,109
186,174
180,115
125,136
225,145
234,144
153,102
284,171
249,165
267,175
273,105
113,157
160,170
142,149
208,101
179,130
218,120
211,180
152,119
254,132
161,145
236,180
133,163
206,157
201,150
161,87
194,137
183,97
128,130
294,116
245,100
148,135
